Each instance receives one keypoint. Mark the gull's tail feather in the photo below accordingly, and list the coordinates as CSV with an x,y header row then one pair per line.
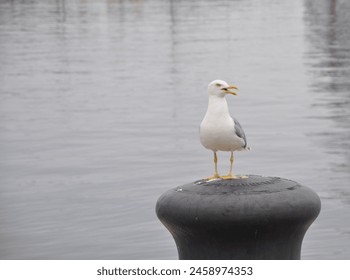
x,y
248,148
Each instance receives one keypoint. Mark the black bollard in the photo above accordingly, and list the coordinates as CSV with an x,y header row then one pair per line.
x,y
256,218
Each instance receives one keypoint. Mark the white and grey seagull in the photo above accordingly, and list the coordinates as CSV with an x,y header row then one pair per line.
x,y
218,130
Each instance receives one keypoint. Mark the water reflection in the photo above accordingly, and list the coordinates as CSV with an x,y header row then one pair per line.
x,y
329,60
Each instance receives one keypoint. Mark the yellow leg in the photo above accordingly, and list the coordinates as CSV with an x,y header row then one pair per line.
x,y
231,163
216,173
230,176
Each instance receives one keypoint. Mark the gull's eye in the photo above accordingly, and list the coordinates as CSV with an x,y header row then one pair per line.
x,y
218,85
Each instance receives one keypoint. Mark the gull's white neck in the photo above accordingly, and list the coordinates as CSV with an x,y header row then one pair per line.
x,y
217,106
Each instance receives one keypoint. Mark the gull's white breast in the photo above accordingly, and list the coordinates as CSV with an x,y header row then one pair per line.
x,y
217,133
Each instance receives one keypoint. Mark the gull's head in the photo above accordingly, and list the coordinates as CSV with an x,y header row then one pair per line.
x,y
221,88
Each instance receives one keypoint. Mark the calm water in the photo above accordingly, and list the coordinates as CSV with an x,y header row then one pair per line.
x,y
100,103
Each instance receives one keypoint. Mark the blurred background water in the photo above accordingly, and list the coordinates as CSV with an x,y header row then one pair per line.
x,y
100,103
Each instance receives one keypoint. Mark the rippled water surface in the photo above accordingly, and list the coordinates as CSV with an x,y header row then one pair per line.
x,y
100,103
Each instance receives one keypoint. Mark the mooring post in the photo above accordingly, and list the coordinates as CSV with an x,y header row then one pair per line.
x,y
254,218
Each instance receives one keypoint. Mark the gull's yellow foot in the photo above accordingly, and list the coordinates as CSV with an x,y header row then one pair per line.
x,y
229,176
216,176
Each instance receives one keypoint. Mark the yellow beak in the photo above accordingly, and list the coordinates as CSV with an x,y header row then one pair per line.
x,y
227,89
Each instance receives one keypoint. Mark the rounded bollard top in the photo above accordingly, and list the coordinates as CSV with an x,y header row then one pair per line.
x,y
255,199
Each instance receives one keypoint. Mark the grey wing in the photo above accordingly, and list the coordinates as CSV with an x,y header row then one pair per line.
x,y
240,132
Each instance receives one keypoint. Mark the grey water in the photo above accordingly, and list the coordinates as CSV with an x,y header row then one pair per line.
x,y
100,104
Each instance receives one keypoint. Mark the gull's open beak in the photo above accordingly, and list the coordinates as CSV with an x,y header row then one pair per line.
x,y
227,90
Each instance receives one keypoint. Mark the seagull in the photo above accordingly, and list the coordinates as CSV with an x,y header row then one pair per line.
x,y
218,130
